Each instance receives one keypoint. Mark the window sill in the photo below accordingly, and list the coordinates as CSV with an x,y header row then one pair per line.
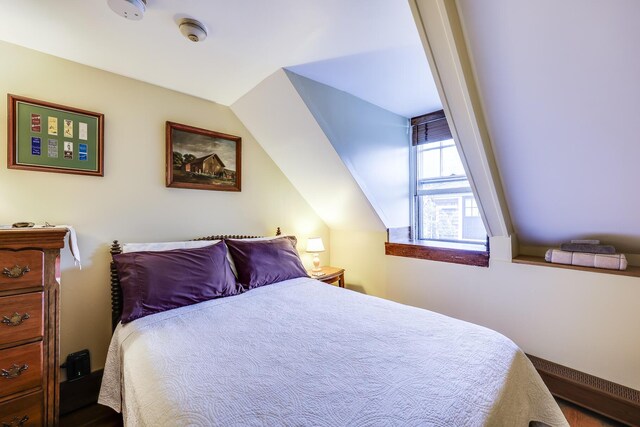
x,y
446,252
631,271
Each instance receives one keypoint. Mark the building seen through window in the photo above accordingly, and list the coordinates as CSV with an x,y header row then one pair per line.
x,y
445,208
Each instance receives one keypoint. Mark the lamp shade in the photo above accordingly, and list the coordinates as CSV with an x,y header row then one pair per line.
x,y
314,244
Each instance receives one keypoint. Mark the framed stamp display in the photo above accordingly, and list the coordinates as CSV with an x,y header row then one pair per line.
x,y
202,159
48,137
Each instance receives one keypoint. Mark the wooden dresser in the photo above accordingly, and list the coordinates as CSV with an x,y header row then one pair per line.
x,y
29,326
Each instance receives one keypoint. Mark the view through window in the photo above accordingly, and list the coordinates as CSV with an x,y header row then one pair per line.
x,y
445,208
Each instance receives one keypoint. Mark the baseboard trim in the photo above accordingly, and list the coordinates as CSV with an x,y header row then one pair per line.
x,y
612,400
80,393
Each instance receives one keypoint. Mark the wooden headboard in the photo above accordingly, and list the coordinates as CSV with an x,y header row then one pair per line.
x,y
116,290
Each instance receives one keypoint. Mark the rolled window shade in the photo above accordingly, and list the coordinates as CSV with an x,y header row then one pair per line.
x,y
430,127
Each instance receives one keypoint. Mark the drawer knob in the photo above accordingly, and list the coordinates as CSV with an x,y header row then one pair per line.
x,y
16,271
15,319
16,421
13,372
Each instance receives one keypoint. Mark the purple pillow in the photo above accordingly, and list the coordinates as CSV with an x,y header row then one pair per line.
x,y
157,281
263,262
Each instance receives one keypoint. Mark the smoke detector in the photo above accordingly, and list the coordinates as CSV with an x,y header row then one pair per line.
x,y
130,9
192,29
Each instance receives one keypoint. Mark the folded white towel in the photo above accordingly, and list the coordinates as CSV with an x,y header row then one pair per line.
x,y
73,241
608,261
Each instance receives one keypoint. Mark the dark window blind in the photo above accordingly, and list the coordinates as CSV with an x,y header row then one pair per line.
x,y
430,127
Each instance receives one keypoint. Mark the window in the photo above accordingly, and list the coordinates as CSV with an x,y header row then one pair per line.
x,y
445,209
446,225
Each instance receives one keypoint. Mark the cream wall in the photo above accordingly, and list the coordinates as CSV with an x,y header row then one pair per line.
x,y
131,202
587,321
361,254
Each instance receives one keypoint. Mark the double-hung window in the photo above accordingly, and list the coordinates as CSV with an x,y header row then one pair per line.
x,y
444,207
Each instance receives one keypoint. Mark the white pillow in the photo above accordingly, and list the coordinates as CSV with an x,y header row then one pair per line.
x,y
166,246
262,238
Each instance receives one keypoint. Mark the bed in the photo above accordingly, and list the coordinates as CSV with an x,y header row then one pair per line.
x,y
298,352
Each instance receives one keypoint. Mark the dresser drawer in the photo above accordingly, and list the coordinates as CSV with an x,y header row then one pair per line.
x,y
21,317
20,269
26,410
20,368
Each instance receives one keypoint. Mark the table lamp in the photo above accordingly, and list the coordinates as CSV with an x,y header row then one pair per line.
x,y
315,246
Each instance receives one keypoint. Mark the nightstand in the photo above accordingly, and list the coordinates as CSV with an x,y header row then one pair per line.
x,y
330,275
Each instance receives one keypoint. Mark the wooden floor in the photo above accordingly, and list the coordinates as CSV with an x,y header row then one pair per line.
x,y
101,416
579,417
92,415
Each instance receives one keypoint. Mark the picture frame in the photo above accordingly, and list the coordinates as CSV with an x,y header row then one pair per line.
x,y
48,137
202,159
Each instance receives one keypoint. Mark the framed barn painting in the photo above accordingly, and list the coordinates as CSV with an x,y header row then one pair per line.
x,y
48,137
202,159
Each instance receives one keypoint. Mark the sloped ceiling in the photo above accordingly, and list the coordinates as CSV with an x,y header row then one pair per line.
x,y
398,80
371,142
248,41
276,115
560,85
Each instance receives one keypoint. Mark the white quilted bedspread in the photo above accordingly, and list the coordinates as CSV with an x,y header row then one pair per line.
x,y
303,353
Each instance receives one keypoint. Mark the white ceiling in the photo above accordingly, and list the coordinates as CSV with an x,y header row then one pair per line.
x,y
369,48
396,79
560,84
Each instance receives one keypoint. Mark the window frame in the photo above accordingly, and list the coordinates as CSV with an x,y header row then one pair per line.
x,y
405,241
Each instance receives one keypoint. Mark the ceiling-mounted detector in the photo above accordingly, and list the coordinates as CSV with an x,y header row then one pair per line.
x,y
192,29
130,9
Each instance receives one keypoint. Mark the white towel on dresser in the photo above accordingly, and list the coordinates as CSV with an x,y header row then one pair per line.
x,y
73,240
